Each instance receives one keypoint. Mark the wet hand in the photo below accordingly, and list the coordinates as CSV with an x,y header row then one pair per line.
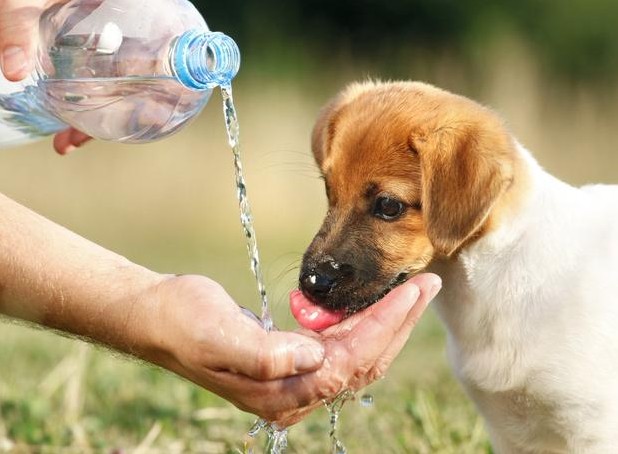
x,y
200,333
19,29
280,376
360,349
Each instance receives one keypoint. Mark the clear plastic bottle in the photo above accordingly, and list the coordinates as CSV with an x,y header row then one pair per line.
x,y
122,70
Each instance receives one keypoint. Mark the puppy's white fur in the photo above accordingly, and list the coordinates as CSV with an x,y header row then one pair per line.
x,y
531,310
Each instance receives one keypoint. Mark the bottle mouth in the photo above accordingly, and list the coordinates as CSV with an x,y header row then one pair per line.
x,y
205,60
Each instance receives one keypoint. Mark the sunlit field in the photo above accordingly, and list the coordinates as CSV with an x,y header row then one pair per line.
x,y
171,206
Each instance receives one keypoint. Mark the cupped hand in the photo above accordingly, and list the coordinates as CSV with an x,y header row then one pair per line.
x,y
205,337
360,349
19,30
280,376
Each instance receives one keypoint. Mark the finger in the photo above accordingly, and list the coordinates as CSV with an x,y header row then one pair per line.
x,y
68,140
381,320
283,400
351,356
430,286
290,418
424,279
267,356
379,328
19,29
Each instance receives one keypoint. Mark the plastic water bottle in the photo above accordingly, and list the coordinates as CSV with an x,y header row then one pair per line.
x,y
122,70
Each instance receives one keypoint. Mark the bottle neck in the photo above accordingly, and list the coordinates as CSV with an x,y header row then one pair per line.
x,y
203,60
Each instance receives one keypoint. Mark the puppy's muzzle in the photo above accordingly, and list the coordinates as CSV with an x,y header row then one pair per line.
x,y
318,280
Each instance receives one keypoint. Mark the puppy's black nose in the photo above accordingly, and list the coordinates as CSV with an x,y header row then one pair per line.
x,y
317,284
321,280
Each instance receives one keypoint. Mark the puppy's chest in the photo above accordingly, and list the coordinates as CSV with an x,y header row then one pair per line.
x,y
496,311
485,342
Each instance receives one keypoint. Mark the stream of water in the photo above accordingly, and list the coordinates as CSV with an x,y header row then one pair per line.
x,y
246,219
277,439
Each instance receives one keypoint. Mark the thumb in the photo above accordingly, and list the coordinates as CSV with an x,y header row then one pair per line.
x,y
270,355
19,29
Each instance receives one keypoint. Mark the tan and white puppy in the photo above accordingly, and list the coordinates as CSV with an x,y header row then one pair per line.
x,y
419,178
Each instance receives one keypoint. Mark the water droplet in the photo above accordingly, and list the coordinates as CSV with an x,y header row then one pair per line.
x,y
258,425
276,439
338,448
366,400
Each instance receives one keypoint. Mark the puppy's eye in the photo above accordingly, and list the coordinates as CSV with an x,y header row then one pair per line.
x,y
387,208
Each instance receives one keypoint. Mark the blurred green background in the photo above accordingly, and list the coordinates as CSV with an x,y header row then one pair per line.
x,y
550,68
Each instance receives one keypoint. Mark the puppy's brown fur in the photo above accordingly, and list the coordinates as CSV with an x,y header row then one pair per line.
x,y
449,160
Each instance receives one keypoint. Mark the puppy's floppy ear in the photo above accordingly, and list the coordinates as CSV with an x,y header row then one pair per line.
x,y
324,130
464,168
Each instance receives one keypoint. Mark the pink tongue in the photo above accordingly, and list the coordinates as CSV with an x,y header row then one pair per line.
x,y
311,316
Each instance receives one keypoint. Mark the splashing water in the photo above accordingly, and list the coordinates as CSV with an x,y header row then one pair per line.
x,y
277,440
233,135
334,409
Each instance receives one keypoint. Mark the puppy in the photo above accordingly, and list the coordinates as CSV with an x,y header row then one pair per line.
x,y
418,178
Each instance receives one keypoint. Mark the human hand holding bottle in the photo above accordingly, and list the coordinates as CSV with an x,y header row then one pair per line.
x,y
127,71
19,28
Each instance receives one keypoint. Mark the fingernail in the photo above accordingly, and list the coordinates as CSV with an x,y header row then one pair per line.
x,y
433,291
78,138
308,357
13,61
81,141
414,293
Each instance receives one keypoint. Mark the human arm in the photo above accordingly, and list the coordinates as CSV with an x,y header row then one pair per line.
x,y
19,28
55,278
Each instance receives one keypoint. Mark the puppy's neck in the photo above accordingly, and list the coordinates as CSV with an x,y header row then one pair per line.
x,y
525,209
490,279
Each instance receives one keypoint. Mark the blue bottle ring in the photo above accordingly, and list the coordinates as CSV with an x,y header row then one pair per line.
x,y
193,52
